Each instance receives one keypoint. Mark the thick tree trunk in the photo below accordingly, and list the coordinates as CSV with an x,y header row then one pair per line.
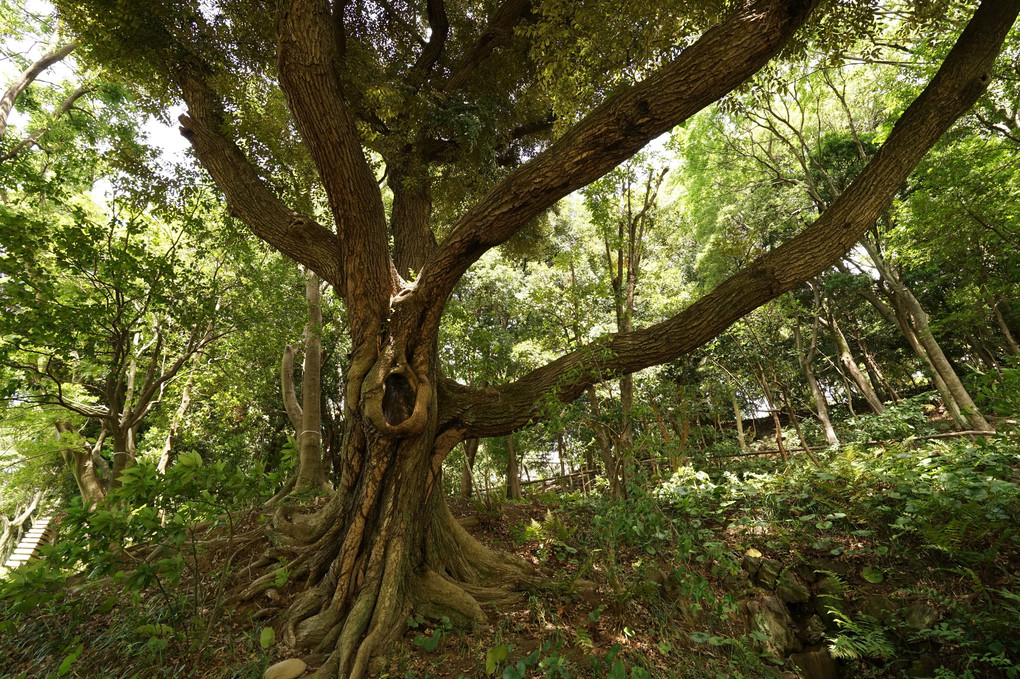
x,y
386,544
79,460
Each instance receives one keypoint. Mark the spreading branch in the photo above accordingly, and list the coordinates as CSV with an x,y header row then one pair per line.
x,y
723,58
248,198
309,65
962,78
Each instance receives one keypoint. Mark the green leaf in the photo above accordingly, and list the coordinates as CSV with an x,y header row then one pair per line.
x,y
267,638
494,657
872,575
69,660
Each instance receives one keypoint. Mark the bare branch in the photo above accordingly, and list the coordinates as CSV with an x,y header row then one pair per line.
x,y
26,78
33,139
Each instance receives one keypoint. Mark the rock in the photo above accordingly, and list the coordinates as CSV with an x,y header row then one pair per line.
x,y
815,664
830,601
879,607
925,666
812,630
768,573
791,590
919,616
288,669
751,562
738,584
770,617
806,572
822,565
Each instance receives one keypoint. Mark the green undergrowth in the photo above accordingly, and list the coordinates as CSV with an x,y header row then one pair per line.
x,y
135,587
912,546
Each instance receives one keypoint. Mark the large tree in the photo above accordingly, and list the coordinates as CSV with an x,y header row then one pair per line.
x,y
443,95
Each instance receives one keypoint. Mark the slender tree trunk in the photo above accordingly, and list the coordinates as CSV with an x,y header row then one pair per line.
x,y
306,417
26,78
738,417
773,410
918,319
609,459
806,360
513,474
875,372
467,468
311,472
1011,345
897,316
175,425
846,358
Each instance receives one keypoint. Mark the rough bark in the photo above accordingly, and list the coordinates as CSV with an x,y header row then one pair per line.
x,y
962,78
385,543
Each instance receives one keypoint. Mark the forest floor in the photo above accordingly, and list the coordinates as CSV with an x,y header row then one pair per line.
x,y
892,560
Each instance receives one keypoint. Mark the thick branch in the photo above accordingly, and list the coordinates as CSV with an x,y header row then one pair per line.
x,y
439,26
721,59
248,198
308,64
26,78
497,33
959,82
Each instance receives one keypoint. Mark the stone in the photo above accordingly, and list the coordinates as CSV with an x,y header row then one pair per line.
x,y
829,602
288,669
738,584
925,666
770,617
791,590
822,565
919,616
812,630
807,573
879,607
751,562
815,664
768,573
